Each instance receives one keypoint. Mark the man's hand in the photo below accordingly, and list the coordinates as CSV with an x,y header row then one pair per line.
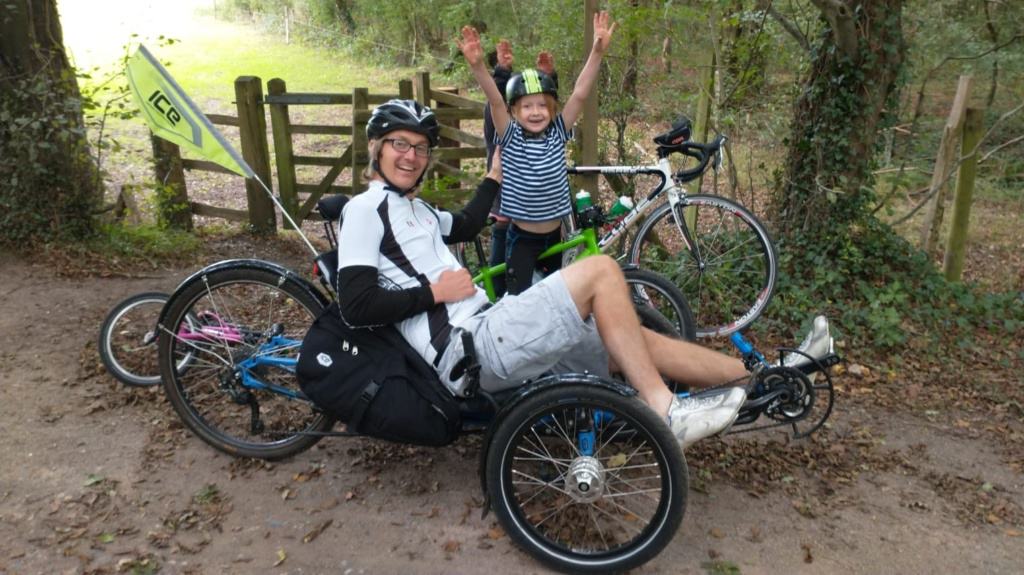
x,y
453,286
495,171
505,58
602,31
546,63
470,46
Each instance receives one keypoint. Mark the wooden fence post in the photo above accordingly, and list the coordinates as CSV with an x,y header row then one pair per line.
x,y
588,124
422,85
360,151
956,243
252,124
405,90
283,153
172,206
943,161
422,95
454,164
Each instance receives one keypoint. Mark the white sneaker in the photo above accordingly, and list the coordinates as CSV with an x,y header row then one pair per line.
x,y
695,417
817,344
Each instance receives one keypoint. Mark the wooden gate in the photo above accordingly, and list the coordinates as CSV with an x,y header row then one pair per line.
x,y
299,198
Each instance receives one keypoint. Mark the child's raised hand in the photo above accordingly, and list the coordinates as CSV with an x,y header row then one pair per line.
x,y
505,59
602,31
470,46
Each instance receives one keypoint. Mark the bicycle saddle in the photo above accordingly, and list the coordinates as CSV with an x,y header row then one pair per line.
x,y
330,206
680,132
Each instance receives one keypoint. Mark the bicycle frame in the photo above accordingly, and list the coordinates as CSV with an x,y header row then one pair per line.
x,y
586,237
667,186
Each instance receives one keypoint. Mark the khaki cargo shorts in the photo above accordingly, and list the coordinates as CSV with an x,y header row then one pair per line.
x,y
525,336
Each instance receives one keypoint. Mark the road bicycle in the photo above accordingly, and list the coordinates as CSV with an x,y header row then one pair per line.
x,y
658,302
718,253
580,473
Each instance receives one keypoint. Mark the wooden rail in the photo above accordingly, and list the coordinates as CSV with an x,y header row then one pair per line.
x,y
298,197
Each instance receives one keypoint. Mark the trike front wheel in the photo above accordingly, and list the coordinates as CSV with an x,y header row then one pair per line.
x,y
586,479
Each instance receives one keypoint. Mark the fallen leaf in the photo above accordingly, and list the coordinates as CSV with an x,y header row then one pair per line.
x,y
716,533
93,479
281,556
451,546
808,558
617,460
308,537
495,533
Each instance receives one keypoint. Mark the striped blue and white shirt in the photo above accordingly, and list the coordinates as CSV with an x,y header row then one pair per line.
x,y
535,185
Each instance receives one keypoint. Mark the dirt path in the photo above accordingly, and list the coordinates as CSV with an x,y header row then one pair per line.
x,y
97,478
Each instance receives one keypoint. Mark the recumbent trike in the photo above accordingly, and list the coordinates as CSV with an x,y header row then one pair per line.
x,y
580,473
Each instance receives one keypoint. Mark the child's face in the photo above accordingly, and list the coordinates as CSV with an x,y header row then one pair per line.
x,y
532,113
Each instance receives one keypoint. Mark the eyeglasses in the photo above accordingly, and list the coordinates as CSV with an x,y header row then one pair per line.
x,y
401,146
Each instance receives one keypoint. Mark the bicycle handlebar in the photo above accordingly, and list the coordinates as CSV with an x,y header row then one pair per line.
x,y
703,153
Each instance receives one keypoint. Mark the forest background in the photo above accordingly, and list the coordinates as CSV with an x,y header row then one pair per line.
x,y
841,189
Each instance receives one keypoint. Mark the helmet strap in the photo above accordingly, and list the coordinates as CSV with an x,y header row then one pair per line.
x,y
375,164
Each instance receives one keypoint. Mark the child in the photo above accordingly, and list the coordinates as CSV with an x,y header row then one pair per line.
x,y
532,135
501,61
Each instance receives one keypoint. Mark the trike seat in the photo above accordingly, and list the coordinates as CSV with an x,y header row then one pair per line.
x,y
330,206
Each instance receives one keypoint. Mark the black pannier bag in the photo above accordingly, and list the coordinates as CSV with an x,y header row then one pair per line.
x,y
374,382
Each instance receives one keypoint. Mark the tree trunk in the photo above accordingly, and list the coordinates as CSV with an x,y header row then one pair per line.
x,y
744,54
50,184
842,106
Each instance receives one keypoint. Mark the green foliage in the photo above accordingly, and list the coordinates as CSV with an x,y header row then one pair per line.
x,y
142,243
883,291
167,205
48,190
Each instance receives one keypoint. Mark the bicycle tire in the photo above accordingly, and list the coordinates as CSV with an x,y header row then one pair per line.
x,y
127,339
635,496
249,304
736,279
658,300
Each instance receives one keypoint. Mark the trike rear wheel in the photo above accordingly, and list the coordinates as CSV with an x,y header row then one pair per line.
x,y
586,479
239,392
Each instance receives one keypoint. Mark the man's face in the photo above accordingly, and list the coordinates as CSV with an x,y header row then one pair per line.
x,y
403,169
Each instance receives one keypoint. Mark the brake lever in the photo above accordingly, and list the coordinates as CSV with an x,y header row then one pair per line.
x,y
717,163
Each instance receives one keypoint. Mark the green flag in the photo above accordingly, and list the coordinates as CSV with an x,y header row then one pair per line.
x,y
173,116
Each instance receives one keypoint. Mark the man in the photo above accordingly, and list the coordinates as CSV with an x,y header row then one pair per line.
x,y
394,267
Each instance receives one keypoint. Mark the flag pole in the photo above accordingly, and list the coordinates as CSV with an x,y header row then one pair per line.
x,y
286,215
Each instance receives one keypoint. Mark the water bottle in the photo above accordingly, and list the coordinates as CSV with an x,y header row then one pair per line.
x,y
621,207
582,200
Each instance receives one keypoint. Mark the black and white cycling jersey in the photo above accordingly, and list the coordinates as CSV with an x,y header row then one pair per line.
x,y
390,250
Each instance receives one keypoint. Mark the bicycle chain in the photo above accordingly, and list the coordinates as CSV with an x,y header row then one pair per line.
x,y
752,380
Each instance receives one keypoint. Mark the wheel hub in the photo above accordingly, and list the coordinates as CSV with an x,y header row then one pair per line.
x,y
585,480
